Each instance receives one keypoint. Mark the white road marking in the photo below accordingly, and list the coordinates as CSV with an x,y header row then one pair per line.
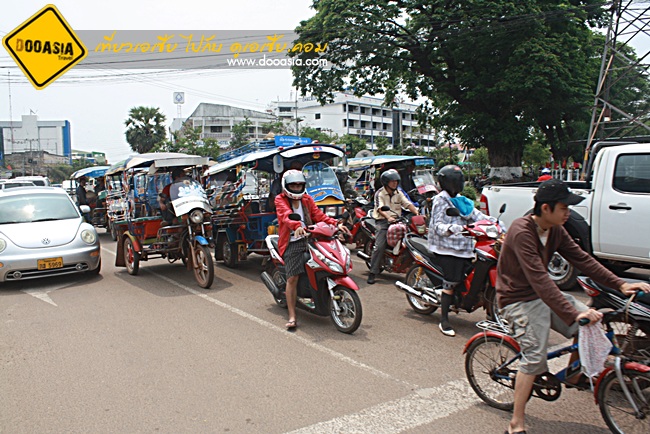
x,y
41,293
419,408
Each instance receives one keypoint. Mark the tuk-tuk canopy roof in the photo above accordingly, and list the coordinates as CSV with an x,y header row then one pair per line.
x,y
90,172
378,160
264,160
165,159
116,168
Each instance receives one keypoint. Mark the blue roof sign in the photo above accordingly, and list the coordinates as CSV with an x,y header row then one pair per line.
x,y
287,141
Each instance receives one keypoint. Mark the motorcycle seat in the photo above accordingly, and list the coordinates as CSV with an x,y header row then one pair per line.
x,y
422,246
641,298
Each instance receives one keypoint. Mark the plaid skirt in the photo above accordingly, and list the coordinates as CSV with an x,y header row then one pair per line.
x,y
295,258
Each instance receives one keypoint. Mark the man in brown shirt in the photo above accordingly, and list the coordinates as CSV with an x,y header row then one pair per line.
x,y
527,296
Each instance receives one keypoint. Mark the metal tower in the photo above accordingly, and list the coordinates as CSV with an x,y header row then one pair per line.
x,y
629,26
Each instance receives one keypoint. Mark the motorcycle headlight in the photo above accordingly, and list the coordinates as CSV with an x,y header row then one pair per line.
x,y
88,236
3,245
492,231
196,216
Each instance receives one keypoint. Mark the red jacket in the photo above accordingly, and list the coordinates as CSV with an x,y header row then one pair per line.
x,y
283,209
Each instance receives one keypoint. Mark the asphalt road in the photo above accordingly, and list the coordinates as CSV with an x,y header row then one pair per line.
x,y
156,353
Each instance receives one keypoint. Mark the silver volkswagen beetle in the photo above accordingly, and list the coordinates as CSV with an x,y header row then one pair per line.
x,y
42,233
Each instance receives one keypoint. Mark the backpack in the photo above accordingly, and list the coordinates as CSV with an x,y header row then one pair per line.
x,y
395,233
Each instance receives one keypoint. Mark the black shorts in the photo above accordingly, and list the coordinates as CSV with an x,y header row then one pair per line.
x,y
453,267
295,258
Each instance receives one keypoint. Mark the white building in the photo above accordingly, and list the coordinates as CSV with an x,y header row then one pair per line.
x,y
216,122
33,136
366,117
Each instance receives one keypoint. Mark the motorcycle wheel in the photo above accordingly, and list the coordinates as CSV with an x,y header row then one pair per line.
x,y
417,278
203,266
131,257
281,283
348,317
631,337
483,358
367,249
616,410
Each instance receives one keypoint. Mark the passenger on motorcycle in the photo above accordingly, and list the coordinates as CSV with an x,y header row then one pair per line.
x,y
530,301
389,195
292,243
454,252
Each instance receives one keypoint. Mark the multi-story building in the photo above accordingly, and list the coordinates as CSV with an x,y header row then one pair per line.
x,y
366,117
91,157
30,135
216,122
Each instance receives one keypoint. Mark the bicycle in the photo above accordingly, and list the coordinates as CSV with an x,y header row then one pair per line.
x,y
622,390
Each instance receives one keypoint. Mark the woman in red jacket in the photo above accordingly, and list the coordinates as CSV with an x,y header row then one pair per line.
x,y
293,242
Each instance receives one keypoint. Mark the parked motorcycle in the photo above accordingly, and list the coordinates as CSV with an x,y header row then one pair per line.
x,y
396,258
325,289
423,283
355,210
632,328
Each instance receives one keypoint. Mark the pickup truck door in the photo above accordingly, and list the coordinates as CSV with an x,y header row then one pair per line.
x,y
623,208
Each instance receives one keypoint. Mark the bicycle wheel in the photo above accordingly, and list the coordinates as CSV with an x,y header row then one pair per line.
x,y
494,385
615,407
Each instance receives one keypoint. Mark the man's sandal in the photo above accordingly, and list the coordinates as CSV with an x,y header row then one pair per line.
x,y
291,324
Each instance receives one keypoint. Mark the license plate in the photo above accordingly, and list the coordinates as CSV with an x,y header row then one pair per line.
x,y
50,263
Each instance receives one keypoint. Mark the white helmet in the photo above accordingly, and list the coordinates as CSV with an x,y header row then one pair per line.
x,y
293,177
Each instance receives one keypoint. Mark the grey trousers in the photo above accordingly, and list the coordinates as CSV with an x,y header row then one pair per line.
x,y
380,246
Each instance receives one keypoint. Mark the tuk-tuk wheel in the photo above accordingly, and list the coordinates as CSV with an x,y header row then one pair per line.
x,y
131,257
229,254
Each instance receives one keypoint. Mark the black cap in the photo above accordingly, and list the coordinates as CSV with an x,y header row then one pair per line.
x,y
555,190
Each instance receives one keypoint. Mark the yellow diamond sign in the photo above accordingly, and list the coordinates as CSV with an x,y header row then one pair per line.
x,y
44,46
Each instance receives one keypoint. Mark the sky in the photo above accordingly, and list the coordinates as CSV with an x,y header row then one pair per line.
x,y
98,107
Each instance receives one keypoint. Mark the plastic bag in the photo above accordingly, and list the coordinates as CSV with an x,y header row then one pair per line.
x,y
594,347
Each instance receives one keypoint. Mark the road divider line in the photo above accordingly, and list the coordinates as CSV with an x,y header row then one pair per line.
x,y
422,407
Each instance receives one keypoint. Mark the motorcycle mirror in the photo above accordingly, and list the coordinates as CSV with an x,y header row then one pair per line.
x,y
209,191
502,209
453,212
385,208
295,217
346,215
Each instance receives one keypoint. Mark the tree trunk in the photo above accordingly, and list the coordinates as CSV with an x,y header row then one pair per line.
x,y
505,161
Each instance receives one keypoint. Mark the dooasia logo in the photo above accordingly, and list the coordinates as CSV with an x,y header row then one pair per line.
x,y
45,47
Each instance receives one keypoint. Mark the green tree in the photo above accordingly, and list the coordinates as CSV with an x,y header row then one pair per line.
x,y
188,140
490,70
145,128
480,158
314,134
353,144
381,145
240,133
277,127
536,155
445,155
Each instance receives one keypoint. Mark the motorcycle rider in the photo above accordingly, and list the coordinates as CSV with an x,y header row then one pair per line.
x,y
530,301
342,176
388,195
454,252
292,246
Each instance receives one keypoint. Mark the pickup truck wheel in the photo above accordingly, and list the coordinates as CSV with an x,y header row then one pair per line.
x,y
562,272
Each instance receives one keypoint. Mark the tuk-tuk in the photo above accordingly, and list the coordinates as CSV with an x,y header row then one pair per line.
x,y
95,193
116,203
144,234
243,215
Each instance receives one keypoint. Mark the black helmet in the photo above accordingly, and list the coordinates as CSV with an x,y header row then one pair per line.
x,y
389,175
341,175
451,179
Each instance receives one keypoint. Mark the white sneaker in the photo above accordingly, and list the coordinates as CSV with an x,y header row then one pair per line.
x,y
447,332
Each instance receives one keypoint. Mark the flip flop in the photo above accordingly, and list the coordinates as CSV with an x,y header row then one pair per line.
x,y
516,432
291,324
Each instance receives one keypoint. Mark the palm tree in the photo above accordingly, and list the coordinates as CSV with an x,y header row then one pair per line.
x,y
144,128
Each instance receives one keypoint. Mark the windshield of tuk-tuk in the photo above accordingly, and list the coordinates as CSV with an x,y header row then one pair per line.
x,y
319,174
422,178
186,188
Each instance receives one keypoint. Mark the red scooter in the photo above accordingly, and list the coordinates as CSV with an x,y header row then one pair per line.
x,y
325,289
423,283
356,209
397,259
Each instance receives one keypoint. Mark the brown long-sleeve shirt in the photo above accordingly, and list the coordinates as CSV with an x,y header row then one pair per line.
x,y
522,273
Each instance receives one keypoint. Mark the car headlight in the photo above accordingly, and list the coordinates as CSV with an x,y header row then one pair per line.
x,y
88,236
3,245
196,216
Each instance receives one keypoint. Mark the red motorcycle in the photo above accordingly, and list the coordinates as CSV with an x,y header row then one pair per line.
x,y
423,283
355,210
325,289
397,258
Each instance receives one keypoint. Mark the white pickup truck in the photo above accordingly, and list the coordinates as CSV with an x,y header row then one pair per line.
x,y
609,223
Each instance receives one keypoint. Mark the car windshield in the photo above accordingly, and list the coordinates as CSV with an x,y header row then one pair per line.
x,y
318,174
36,207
